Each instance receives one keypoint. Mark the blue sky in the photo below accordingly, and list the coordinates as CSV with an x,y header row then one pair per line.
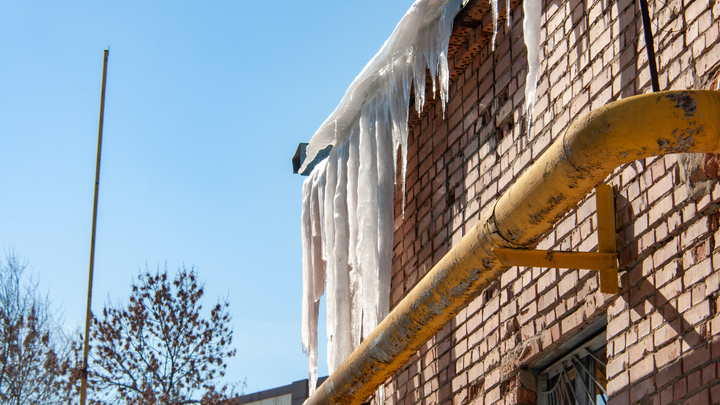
x,y
206,103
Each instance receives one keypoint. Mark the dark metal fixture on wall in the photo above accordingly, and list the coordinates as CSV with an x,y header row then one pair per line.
x,y
649,45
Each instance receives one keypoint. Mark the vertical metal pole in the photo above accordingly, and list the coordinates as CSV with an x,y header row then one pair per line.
x,y
649,45
88,314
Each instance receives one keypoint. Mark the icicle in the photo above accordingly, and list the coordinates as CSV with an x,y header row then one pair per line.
x,y
494,7
343,320
355,277
329,224
399,85
308,289
348,215
352,191
385,219
508,15
312,267
399,101
317,199
312,348
444,33
431,57
419,68
367,217
423,16
531,29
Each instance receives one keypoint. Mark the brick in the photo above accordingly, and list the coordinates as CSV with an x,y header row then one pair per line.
x,y
661,209
568,283
620,382
660,188
667,354
666,396
697,313
618,324
694,232
697,358
680,389
667,376
640,351
665,253
701,398
708,374
642,390
667,332
459,382
642,369
715,394
617,364
546,280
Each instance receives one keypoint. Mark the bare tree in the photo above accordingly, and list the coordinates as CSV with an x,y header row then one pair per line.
x,y
34,353
159,349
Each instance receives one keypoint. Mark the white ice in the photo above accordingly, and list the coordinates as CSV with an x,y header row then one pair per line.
x,y
494,8
348,215
422,15
342,323
329,242
348,212
313,269
532,9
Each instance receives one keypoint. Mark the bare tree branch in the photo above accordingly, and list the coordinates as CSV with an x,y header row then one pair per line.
x,y
34,352
160,349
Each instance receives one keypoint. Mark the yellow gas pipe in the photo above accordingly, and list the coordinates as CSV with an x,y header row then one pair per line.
x,y
618,133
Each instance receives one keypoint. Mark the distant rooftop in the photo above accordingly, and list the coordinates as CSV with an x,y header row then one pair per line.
x,y
292,394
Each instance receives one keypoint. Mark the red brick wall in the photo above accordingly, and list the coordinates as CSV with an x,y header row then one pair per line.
x,y
663,329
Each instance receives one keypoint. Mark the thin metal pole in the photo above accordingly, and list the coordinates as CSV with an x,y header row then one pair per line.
x,y
88,314
650,45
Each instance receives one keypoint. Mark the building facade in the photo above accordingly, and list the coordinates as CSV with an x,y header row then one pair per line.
x,y
548,335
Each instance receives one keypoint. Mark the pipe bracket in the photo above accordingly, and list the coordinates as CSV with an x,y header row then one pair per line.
x,y
604,261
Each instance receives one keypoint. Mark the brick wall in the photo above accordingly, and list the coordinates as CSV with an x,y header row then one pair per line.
x,y
663,329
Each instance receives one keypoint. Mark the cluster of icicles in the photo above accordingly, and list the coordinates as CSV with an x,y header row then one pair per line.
x,y
347,213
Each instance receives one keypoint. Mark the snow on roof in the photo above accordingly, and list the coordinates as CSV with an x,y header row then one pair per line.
x,y
410,41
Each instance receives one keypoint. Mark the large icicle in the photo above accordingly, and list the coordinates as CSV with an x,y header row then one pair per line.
x,y
313,270
385,212
330,254
347,217
532,9
367,216
400,82
355,278
308,297
343,320
318,241
348,213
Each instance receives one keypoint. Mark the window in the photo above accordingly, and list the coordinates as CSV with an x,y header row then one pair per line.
x,y
578,378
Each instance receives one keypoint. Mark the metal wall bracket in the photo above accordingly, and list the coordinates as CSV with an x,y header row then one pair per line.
x,y
604,261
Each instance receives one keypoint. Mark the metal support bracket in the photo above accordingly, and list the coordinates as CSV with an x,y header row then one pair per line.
x,y
604,261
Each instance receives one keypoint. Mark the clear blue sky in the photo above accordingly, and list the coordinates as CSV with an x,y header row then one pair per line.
x,y
206,103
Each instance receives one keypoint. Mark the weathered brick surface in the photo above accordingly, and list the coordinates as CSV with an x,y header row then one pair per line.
x,y
663,329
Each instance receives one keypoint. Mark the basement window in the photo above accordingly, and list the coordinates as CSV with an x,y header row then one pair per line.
x,y
577,378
